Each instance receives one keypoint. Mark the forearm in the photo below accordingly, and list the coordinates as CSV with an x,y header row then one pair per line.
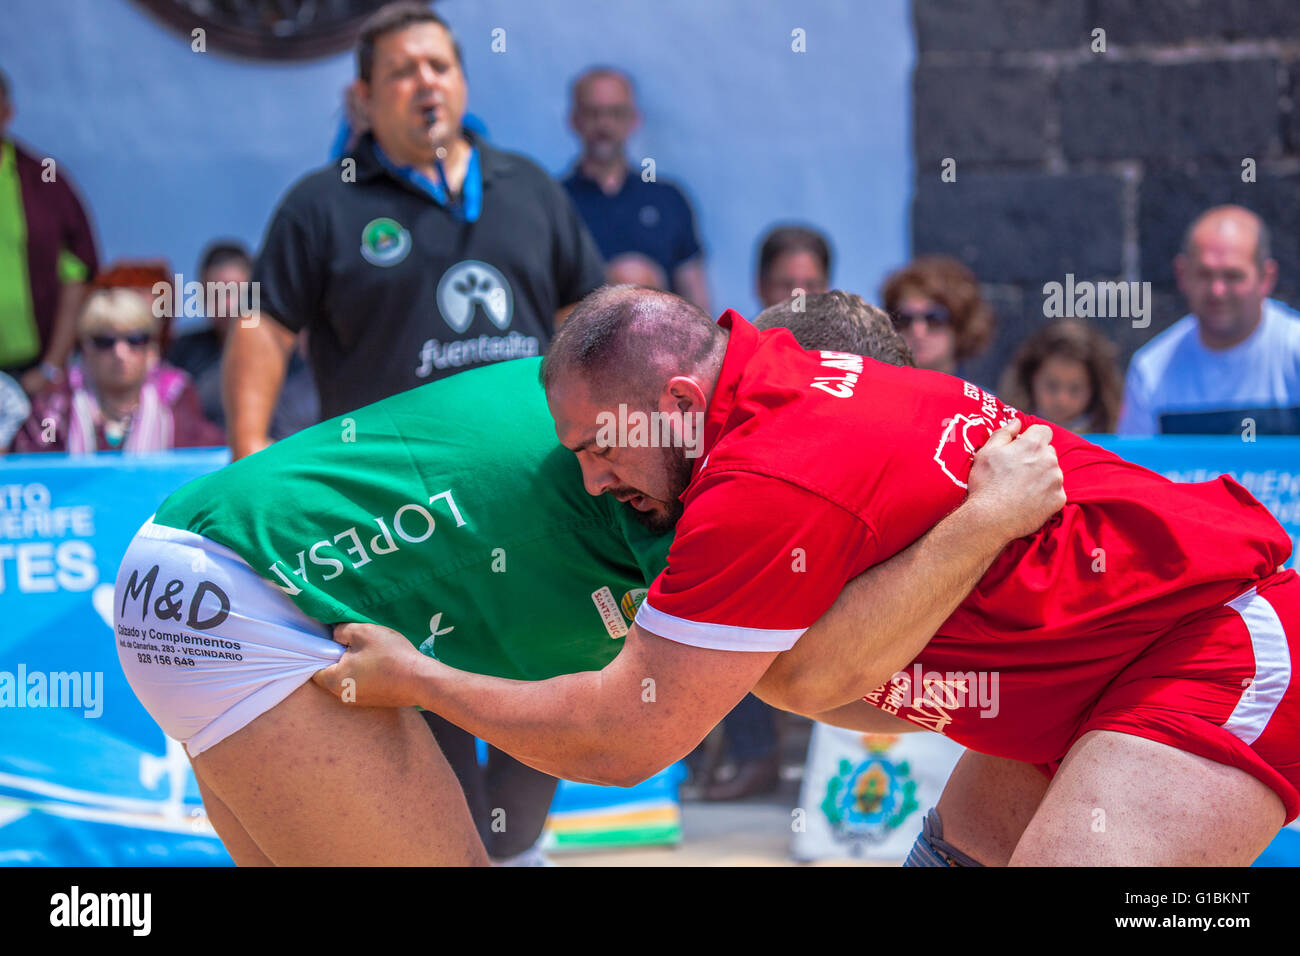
x,y
884,617
864,718
64,333
557,726
252,374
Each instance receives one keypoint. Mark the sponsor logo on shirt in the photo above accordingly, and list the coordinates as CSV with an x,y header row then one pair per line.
x,y
485,348
928,698
411,524
384,242
609,612
631,602
470,284
839,386
965,433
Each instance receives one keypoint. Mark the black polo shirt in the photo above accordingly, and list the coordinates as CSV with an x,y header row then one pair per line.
x,y
652,218
398,290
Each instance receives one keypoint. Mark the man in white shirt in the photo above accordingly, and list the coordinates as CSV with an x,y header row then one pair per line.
x,y
1232,365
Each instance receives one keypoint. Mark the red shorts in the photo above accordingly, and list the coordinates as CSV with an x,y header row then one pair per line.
x,y
1220,685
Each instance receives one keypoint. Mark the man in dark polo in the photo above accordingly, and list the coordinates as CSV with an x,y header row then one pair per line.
x,y
422,253
627,209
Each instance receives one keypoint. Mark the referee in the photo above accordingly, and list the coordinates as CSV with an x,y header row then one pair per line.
x,y
422,253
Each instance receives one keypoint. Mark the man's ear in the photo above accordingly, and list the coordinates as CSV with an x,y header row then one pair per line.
x,y
1269,275
1181,265
682,393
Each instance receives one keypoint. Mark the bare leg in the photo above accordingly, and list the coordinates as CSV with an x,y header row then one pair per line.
x,y
1120,800
317,782
233,836
987,803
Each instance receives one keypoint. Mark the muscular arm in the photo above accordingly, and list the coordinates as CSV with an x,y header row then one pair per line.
x,y
1014,488
252,373
866,719
648,708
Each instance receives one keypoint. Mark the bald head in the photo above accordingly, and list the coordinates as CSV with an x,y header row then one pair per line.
x,y
601,74
1225,272
1230,223
632,268
624,342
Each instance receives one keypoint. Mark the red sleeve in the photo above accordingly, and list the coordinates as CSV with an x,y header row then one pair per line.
x,y
755,561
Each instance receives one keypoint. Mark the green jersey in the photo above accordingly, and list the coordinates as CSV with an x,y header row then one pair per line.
x,y
450,513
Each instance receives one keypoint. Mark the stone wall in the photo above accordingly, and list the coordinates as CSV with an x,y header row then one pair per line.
x,y
1071,160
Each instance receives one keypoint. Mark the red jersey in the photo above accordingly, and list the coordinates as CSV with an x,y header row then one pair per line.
x,y
818,465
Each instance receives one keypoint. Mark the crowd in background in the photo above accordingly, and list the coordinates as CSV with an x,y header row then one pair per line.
x,y
89,362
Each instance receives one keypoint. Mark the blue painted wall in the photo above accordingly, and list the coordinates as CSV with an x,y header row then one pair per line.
x,y
172,148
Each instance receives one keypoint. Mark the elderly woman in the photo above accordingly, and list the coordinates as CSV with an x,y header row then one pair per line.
x,y
119,396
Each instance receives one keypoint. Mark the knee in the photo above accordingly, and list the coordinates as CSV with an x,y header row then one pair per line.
x,y
931,849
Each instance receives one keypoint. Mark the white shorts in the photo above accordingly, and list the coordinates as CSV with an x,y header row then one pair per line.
x,y
205,642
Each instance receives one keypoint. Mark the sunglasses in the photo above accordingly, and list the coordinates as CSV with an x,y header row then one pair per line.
x,y
137,340
936,317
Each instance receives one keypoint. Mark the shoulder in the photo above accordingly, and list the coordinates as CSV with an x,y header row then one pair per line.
x,y
521,170
1285,322
668,192
1152,359
316,189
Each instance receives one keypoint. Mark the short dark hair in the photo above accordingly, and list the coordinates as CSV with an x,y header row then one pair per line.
x,y
601,70
783,240
390,18
839,322
624,336
4,87
222,251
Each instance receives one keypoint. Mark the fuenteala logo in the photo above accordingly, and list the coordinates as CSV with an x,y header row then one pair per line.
x,y
384,242
469,283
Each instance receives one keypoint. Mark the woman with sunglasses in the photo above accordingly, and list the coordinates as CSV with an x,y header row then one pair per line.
x,y
118,395
936,306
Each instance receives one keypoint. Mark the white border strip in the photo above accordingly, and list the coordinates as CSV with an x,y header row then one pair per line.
x,y
717,637
1263,695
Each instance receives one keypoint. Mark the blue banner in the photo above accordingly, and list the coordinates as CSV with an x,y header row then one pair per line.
x,y
86,776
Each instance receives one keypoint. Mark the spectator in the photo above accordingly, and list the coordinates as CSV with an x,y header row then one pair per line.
x,y
632,268
1231,363
14,409
790,258
225,268
624,212
429,252
120,396
1068,374
48,255
936,305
